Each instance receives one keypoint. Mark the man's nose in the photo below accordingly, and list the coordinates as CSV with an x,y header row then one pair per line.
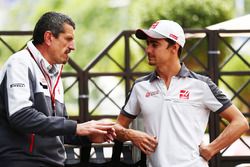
x,y
147,49
72,45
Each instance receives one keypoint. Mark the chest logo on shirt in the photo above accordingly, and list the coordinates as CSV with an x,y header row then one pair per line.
x,y
151,93
17,85
184,94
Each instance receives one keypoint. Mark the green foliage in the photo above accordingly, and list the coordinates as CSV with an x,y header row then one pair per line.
x,y
236,82
97,22
247,6
189,13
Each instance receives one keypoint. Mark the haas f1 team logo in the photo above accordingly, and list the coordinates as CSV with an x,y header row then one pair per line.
x,y
184,94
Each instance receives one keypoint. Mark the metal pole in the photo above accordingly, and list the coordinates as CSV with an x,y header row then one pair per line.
x,y
83,96
127,63
214,120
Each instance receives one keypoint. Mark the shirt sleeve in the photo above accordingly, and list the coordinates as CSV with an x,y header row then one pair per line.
x,y
18,89
131,108
214,99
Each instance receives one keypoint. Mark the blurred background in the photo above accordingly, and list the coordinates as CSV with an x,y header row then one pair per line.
x,y
98,21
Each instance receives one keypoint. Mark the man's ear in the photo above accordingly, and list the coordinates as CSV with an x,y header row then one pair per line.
x,y
175,48
48,37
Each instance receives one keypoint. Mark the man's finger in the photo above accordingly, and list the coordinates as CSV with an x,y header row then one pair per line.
x,y
105,123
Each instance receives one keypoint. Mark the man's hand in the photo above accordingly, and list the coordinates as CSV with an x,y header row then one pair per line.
x,y
236,127
146,143
99,138
205,152
97,131
143,141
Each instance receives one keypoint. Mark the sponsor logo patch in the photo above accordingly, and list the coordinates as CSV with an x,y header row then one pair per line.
x,y
151,93
17,85
173,36
184,94
154,25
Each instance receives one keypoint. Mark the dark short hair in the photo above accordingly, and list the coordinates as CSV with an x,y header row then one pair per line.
x,y
50,21
172,42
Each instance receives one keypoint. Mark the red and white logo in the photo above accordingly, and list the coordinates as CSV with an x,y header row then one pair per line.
x,y
154,25
152,93
173,36
184,94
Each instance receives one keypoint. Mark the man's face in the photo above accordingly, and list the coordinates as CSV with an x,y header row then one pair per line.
x,y
157,51
62,46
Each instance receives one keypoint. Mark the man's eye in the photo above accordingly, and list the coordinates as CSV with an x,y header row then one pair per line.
x,y
154,45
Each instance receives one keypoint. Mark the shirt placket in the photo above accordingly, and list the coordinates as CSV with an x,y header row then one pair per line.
x,y
162,86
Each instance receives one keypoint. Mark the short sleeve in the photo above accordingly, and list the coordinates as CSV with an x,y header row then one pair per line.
x,y
214,99
131,107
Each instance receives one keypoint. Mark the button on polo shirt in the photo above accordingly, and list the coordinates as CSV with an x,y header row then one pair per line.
x,y
177,115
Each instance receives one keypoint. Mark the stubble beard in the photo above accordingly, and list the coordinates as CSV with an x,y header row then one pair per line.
x,y
65,61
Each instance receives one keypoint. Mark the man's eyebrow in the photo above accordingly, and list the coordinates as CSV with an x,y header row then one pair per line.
x,y
152,41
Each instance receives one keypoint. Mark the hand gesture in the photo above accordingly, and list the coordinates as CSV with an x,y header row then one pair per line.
x,y
97,131
100,138
205,152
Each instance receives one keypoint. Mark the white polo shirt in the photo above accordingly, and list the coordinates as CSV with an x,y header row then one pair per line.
x,y
177,116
